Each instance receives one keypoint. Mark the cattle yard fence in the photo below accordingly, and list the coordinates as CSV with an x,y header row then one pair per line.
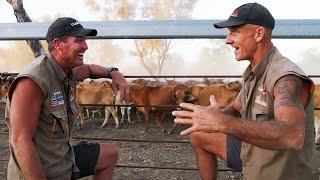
x,y
168,29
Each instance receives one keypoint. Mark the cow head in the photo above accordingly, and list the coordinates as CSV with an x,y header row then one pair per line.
x,y
4,91
179,93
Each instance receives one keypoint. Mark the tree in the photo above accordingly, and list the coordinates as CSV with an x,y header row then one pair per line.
x,y
218,59
15,56
152,53
22,16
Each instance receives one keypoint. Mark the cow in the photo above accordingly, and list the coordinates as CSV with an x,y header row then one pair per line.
x,y
96,93
157,96
194,90
5,81
189,83
224,94
316,98
124,109
4,91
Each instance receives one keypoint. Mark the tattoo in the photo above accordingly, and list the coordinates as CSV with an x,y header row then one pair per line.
x,y
288,91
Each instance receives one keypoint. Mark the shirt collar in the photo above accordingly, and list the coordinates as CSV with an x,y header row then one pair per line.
x,y
260,68
60,74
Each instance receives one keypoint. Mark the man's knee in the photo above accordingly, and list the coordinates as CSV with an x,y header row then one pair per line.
x,y
196,139
109,153
200,139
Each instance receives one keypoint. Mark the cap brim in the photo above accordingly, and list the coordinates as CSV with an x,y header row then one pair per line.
x,y
84,32
229,23
221,24
91,32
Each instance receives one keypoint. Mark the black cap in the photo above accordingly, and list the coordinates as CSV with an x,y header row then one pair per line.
x,y
250,13
67,26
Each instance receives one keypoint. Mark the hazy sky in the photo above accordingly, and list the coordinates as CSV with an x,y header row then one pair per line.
x,y
205,9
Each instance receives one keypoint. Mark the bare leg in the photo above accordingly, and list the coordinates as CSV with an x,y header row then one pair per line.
x,y
207,146
107,161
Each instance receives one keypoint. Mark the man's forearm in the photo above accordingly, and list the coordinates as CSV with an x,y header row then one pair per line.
x,y
28,159
90,71
269,134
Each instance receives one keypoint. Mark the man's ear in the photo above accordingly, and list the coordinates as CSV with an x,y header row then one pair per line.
x,y
260,33
57,43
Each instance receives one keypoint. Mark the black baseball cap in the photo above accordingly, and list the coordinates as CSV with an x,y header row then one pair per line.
x,y
250,13
67,26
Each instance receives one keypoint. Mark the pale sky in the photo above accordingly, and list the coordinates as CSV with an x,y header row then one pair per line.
x,y
205,9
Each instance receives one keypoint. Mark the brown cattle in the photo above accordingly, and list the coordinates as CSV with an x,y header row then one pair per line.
x,y
316,98
156,96
224,94
4,91
194,90
96,93
124,109
147,82
190,83
5,81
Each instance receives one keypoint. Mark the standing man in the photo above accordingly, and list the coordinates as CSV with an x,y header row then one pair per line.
x,y
267,132
42,110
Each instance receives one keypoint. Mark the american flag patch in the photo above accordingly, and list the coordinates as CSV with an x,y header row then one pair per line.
x,y
57,99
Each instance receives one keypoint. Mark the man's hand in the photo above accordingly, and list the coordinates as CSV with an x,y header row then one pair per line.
x,y
120,82
204,119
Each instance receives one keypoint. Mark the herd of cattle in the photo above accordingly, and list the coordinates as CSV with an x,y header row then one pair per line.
x,y
154,97
158,98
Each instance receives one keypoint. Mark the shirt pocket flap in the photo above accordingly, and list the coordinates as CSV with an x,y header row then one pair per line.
x,y
260,113
60,114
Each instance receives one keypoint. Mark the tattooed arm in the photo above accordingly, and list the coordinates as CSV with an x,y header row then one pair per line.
x,y
291,95
285,131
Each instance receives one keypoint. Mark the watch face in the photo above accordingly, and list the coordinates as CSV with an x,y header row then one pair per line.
x,y
109,70
114,69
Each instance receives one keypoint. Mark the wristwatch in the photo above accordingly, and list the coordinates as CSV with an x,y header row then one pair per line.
x,y
109,70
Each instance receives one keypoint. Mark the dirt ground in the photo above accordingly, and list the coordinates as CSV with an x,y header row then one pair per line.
x,y
143,155
158,158
164,156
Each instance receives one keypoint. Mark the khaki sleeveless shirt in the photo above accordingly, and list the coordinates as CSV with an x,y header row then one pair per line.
x,y
53,134
257,101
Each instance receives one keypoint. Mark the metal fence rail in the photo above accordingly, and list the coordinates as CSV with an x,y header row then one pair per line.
x,y
166,29
170,29
166,76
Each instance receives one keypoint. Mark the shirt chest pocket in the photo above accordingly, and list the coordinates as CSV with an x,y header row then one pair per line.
x,y
260,113
59,123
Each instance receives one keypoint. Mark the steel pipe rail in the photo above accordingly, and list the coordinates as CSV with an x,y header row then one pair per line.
x,y
156,167
166,76
129,140
165,29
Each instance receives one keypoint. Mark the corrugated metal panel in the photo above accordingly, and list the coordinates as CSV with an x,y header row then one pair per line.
x,y
186,29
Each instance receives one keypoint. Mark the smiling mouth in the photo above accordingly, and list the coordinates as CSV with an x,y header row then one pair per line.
x,y
80,55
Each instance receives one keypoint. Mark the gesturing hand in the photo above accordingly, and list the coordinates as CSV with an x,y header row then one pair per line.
x,y
204,119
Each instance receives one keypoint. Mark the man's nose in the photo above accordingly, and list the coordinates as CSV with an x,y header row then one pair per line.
x,y
228,39
85,45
